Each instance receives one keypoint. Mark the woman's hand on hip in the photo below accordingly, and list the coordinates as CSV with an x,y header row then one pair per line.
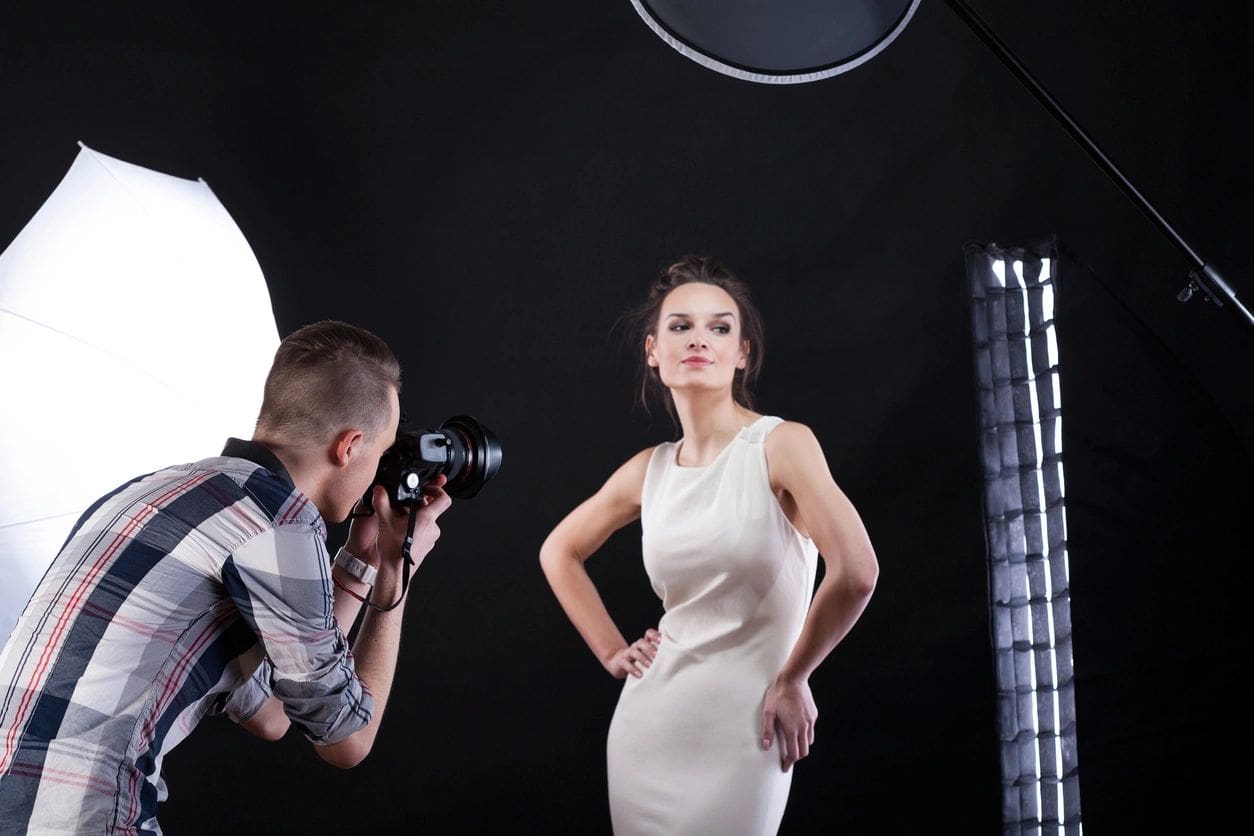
x,y
636,657
790,715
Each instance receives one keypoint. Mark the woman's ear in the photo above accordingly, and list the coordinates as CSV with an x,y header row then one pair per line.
x,y
649,344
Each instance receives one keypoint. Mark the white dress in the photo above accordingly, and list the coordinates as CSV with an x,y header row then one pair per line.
x,y
684,754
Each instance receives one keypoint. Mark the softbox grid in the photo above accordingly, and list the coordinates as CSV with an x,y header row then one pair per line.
x,y
1013,293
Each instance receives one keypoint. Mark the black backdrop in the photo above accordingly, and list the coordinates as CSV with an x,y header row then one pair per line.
x,y
489,185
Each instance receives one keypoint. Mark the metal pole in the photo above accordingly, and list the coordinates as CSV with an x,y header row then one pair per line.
x,y
1203,276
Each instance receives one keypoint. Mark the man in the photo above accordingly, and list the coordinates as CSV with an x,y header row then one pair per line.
x,y
207,587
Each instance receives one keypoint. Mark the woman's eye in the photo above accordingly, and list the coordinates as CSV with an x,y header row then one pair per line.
x,y
722,329
679,326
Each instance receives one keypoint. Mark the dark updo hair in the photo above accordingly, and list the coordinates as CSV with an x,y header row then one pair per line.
x,y
642,321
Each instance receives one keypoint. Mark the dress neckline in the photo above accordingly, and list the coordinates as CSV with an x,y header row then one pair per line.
x,y
700,467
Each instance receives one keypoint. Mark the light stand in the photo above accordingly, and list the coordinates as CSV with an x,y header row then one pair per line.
x,y
1203,276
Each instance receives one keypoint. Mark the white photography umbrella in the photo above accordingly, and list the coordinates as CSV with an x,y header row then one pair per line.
x,y
135,332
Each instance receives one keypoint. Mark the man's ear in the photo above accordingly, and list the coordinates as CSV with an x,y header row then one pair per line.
x,y
346,447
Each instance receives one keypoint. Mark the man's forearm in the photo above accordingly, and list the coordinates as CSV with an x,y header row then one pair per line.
x,y
374,654
379,638
346,606
270,722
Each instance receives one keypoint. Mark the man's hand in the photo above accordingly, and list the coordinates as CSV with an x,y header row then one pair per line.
x,y
790,713
364,539
392,525
363,532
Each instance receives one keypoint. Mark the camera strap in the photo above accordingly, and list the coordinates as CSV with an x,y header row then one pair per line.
x,y
405,570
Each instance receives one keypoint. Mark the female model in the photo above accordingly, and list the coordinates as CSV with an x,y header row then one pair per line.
x,y
734,516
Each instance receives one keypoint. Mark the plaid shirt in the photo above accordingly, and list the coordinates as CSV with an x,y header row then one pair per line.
x,y
149,619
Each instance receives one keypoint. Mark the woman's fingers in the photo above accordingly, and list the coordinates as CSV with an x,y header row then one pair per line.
x,y
629,661
638,656
798,748
795,744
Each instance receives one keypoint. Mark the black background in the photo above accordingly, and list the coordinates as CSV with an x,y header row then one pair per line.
x,y
488,186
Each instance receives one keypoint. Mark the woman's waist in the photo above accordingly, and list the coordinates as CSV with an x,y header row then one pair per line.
x,y
744,642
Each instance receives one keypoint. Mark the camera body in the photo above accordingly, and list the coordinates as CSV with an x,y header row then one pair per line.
x,y
462,449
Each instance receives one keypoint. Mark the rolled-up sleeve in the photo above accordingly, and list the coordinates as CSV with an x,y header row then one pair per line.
x,y
241,704
280,582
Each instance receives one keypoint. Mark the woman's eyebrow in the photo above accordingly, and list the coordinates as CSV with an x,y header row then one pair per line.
x,y
724,313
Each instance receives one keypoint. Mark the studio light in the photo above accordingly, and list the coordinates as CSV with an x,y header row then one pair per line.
x,y
783,42
1020,401
135,332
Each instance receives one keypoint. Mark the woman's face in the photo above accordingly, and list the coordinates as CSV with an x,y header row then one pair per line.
x,y
697,343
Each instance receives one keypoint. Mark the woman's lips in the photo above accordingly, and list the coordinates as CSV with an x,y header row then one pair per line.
x,y
697,361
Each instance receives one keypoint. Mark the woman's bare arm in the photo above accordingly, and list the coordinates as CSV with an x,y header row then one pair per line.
x,y
797,465
572,542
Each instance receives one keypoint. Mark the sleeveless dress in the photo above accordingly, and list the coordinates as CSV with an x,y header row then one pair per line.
x,y
684,754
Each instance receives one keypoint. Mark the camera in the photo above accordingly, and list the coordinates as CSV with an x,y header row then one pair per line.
x,y
462,449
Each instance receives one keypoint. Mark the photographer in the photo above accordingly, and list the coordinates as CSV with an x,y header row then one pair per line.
x,y
207,588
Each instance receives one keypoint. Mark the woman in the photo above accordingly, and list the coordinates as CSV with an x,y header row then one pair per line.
x,y
734,515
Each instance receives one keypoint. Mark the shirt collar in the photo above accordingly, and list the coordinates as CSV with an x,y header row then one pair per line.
x,y
257,454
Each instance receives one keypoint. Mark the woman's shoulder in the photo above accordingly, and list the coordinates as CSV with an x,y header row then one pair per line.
x,y
640,461
630,476
776,431
792,444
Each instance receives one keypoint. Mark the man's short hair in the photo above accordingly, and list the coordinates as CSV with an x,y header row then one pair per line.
x,y
327,377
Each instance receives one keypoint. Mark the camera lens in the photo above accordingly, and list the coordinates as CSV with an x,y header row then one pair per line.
x,y
473,456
